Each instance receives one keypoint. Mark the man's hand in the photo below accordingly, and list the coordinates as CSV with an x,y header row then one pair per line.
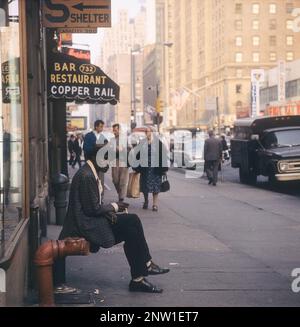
x,y
122,206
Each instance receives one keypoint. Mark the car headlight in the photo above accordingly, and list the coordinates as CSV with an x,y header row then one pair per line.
x,y
283,166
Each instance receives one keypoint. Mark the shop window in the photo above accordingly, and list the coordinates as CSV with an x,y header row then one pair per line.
x,y
11,156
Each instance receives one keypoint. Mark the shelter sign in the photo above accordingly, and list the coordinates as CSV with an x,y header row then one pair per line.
x,y
76,13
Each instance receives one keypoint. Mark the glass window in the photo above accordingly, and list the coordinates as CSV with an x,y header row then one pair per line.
x,y
239,25
255,24
255,8
238,8
239,73
273,8
290,40
256,57
256,40
239,41
11,165
289,8
238,57
273,56
289,24
273,40
273,24
290,56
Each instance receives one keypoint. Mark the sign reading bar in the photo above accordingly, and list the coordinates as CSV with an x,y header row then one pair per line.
x,y
10,71
76,13
73,79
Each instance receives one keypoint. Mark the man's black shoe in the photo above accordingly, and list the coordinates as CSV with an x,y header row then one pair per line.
x,y
210,182
144,286
156,270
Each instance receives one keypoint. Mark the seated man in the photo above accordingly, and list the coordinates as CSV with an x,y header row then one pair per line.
x,y
102,227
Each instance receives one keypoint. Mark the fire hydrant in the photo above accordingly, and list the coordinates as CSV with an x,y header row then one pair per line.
x,y
44,259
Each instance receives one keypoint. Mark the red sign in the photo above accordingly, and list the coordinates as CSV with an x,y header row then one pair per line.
x,y
290,109
78,53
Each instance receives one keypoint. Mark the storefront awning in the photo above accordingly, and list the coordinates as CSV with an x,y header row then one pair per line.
x,y
74,79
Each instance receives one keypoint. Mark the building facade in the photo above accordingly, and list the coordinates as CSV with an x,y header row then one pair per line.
x,y
24,166
216,45
276,100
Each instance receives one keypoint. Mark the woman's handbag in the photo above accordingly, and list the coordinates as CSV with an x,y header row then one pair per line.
x,y
133,189
165,185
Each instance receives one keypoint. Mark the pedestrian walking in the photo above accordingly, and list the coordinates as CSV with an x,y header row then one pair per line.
x,y
151,175
77,152
71,148
212,157
102,227
119,168
92,140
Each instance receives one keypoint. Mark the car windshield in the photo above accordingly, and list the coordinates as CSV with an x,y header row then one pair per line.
x,y
282,139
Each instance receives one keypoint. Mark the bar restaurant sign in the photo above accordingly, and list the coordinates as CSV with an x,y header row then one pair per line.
x,y
73,79
76,13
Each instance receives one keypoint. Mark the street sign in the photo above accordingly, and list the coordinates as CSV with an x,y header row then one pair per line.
x,y
281,81
76,13
75,30
210,103
257,77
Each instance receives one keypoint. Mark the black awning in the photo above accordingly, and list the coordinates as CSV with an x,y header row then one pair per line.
x,y
76,80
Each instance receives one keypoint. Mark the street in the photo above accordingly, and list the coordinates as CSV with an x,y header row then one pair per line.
x,y
230,245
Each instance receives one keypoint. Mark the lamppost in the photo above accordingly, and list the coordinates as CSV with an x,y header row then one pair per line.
x,y
137,49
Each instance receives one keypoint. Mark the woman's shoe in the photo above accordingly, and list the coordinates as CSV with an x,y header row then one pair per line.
x,y
145,206
155,208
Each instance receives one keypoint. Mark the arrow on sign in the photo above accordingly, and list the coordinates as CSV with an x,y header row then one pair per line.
x,y
80,6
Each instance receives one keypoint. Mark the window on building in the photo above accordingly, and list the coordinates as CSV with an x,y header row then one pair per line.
x,y
238,89
239,41
289,24
238,25
290,56
292,88
238,57
255,40
255,24
273,8
290,40
273,24
239,73
11,123
238,8
289,7
256,57
255,8
273,56
273,40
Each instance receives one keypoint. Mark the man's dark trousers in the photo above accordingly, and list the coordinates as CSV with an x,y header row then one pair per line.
x,y
212,170
128,229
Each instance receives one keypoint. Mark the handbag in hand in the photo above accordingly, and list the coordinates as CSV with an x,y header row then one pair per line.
x,y
165,185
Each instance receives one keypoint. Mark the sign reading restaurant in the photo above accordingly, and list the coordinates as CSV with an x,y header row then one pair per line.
x,y
76,13
73,79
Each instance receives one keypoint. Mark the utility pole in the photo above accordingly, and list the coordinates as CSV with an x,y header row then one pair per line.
x,y
218,116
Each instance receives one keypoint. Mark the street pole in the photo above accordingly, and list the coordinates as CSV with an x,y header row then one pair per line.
x,y
218,116
158,113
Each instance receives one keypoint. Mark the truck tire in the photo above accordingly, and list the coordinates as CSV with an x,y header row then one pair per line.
x,y
249,177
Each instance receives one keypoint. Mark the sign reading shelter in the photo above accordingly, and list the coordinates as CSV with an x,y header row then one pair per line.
x,y
76,13
73,79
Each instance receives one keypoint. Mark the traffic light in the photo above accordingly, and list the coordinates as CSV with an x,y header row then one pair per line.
x,y
159,105
157,120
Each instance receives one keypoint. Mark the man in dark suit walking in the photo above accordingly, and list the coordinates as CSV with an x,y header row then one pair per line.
x,y
212,157
100,225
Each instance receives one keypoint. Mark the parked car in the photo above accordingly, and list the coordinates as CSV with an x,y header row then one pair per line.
x,y
268,146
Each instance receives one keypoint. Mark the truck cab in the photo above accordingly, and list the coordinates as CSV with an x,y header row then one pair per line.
x,y
267,146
